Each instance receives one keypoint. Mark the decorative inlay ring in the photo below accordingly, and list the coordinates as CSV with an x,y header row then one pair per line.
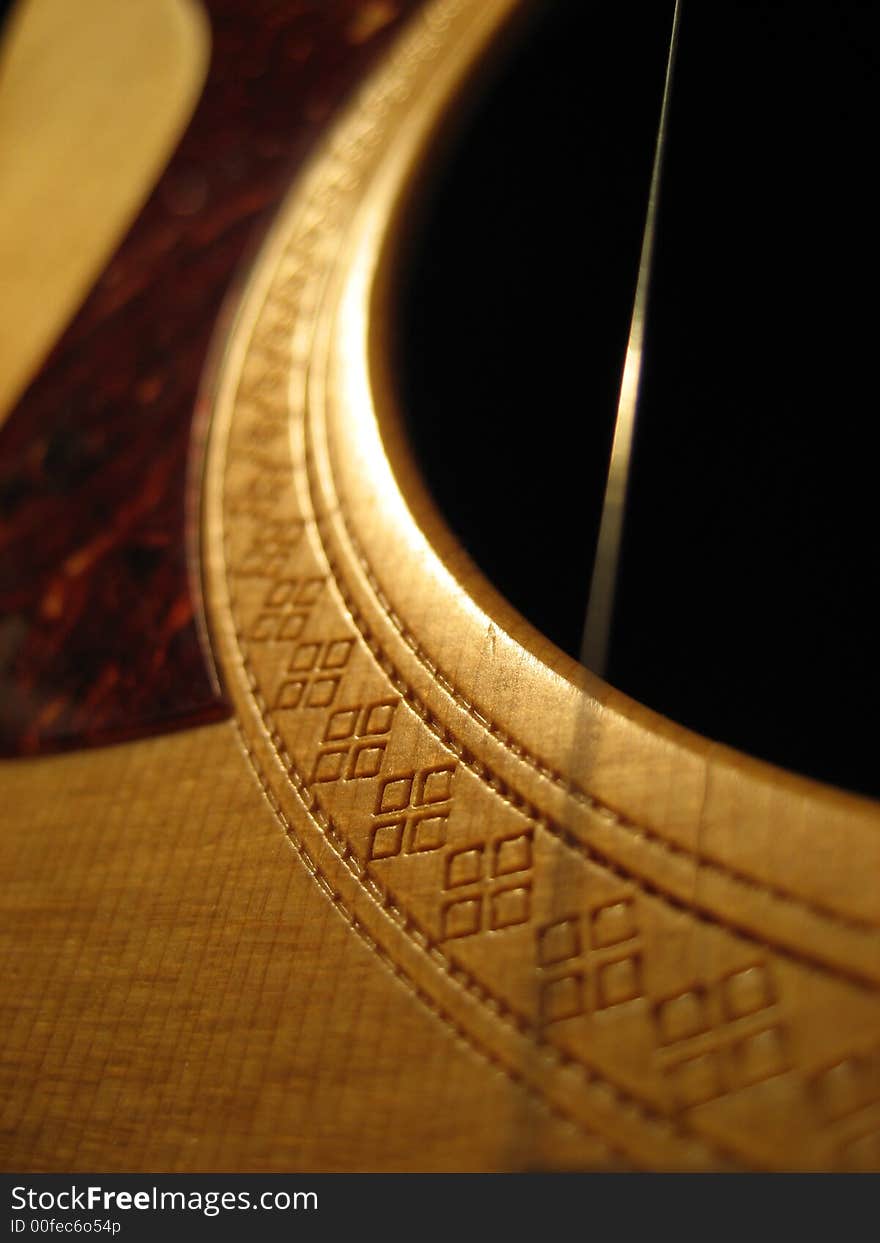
x,y
646,986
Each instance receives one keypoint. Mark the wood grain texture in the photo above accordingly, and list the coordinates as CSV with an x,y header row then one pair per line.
x,y
436,898
101,609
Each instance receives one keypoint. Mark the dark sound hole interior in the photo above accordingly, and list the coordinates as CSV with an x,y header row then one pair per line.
x,y
745,607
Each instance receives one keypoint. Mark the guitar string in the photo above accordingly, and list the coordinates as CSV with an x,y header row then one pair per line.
x,y
603,584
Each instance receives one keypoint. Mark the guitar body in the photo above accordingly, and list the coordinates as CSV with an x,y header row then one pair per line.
x,y
412,891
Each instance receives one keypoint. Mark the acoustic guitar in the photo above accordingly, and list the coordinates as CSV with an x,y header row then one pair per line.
x,y
316,853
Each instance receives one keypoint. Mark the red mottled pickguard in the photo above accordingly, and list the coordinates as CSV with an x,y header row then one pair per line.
x,y
99,593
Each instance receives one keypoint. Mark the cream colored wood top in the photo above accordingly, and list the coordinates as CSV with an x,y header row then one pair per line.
x,y
94,96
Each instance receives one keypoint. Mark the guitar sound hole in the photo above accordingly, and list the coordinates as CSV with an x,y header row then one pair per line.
x,y
745,607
